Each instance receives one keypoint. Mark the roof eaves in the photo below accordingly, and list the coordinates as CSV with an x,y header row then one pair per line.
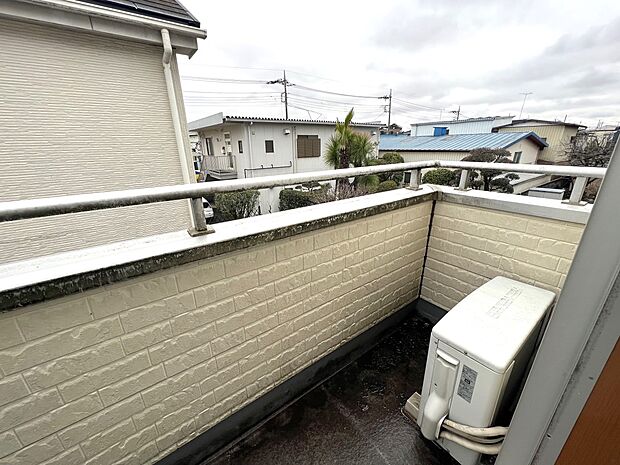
x,y
254,119
110,13
179,15
534,121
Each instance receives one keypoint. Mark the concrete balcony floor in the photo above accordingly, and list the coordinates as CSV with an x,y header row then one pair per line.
x,y
354,418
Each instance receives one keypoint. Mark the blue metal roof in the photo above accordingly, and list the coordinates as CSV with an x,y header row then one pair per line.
x,y
456,142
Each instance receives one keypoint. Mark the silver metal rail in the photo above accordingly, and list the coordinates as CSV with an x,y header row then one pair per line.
x,y
50,206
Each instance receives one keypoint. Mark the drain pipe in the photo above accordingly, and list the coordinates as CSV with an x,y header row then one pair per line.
x,y
198,223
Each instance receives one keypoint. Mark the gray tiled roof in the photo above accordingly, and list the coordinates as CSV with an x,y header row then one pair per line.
x,y
456,142
170,10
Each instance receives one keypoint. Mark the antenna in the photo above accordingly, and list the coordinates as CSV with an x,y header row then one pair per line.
x,y
525,94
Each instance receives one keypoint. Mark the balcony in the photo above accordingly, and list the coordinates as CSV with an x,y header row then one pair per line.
x,y
175,349
221,167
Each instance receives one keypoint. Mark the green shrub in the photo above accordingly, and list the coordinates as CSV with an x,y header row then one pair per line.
x,y
387,185
292,198
230,206
441,176
389,158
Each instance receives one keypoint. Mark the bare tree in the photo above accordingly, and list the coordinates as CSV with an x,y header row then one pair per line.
x,y
590,149
593,150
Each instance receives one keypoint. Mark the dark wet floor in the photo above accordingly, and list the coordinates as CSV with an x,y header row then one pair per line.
x,y
355,417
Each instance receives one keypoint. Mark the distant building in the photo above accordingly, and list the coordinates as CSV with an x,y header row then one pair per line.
x,y
524,147
196,146
86,106
556,134
392,129
463,126
602,132
249,147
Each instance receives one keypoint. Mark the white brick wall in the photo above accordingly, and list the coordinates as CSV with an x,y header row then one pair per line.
x,y
127,373
470,245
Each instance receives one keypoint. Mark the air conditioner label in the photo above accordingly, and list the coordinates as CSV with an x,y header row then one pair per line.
x,y
497,310
467,383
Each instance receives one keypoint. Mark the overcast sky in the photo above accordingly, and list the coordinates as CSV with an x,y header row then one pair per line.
x,y
434,54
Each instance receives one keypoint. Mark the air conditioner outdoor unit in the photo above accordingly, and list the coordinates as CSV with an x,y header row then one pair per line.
x,y
478,357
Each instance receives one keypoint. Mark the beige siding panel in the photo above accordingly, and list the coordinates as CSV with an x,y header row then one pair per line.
x,y
470,245
262,316
557,136
430,155
82,113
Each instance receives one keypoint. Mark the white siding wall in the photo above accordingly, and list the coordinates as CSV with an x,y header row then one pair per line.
x,y
462,127
285,151
82,113
529,151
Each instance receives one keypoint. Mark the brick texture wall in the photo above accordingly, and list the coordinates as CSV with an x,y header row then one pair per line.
x,y
127,373
470,245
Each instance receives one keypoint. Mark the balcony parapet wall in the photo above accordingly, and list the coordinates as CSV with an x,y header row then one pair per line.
x,y
135,349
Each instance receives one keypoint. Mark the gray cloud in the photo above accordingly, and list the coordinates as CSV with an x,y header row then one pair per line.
x,y
442,53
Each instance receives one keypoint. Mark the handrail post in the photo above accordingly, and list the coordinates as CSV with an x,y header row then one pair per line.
x,y
415,180
579,187
463,181
200,223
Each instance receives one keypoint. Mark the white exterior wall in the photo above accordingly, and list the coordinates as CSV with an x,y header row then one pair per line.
x,y
460,127
529,151
254,136
83,113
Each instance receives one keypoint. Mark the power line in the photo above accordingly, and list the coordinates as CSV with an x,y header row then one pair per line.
x,y
402,106
337,102
339,93
215,92
405,102
223,80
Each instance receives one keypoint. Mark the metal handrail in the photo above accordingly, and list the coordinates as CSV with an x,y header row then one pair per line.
x,y
50,206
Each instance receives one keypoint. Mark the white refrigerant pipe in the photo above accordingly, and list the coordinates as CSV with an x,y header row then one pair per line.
x,y
478,432
488,449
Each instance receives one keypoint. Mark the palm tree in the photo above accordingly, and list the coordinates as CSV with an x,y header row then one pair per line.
x,y
338,147
347,147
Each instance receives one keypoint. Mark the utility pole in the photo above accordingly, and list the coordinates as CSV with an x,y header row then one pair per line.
x,y
457,113
390,111
389,98
286,84
525,94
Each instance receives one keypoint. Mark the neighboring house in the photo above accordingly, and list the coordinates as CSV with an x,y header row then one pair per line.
x,y
196,146
524,147
79,80
463,126
602,132
392,129
556,134
249,147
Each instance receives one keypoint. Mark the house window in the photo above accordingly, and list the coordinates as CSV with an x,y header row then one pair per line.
x,y
440,131
268,146
209,144
308,146
240,144
228,144
517,157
